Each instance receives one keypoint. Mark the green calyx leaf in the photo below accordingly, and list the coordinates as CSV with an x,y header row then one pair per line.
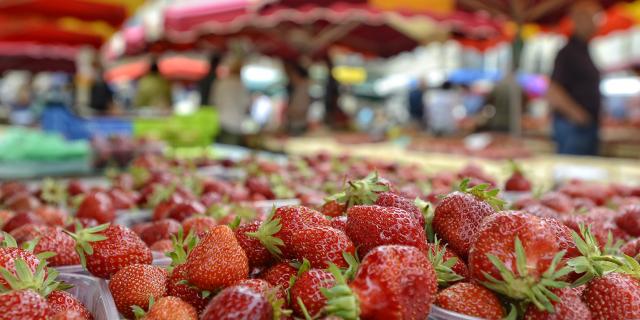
x,y
592,262
354,264
341,300
42,281
520,285
8,241
277,304
182,246
84,237
428,213
360,192
266,236
138,312
482,192
444,271
305,312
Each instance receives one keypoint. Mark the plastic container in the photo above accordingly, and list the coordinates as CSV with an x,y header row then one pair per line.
x,y
128,218
159,259
512,196
197,129
438,313
94,294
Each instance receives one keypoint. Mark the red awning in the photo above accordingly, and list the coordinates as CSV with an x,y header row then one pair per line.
x,y
43,32
84,10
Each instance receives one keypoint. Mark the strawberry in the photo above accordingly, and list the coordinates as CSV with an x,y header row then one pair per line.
x,y
51,239
333,208
257,285
459,215
97,205
59,301
162,246
176,287
217,261
105,249
5,215
68,315
570,306
448,266
23,305
160,230
322,246
170,308
134,284
516,254
52,216
563,236
162,209
393,282
121,199
369,226
198,224
260,185
10,253
22,201
276,231
629,219
631,248
339,223
238,302
306,297
517,181
613,296
21,219
186,209
472,300
279,274
541,211
557,201
257,254
389,199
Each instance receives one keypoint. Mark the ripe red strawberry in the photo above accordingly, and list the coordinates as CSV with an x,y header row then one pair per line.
x,y
51,216
279,274
613,296
306,291
134,284
186,209
517,181
275,233
472,300
198,224
260,185
50,239
631,248
257,285
23,305
629,219
557,201
171,308
165,245
62,301
5,215
563,236
332,208
22,201
523,246
97,205
322,246
176,287
9,255
393,282
217,261
67,315
459,215
570,306
541,211
372,226
21,219
160,230
339,223
161,210
105,249
238,302
389,199
121,199
257,254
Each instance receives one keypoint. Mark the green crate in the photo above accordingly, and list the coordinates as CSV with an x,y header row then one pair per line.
x,y
198,129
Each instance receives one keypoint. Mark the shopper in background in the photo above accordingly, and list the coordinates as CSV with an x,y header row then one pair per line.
x,y
101,99
233,102
153,89
574,91
416,103
299,99
440,104
206,84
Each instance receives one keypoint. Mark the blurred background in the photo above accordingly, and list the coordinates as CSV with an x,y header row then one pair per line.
x,y
493,79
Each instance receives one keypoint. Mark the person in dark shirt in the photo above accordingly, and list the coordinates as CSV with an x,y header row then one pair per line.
x,y
574,90
101,96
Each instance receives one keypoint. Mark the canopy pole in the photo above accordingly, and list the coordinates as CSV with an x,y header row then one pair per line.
x,y
516,92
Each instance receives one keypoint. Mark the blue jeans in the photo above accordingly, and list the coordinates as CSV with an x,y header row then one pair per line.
x,y
574,139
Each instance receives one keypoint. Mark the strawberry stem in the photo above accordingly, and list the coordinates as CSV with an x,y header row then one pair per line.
x,y
84,237
359,192
341,300
592,262
266,233
444,271
482,192
42,280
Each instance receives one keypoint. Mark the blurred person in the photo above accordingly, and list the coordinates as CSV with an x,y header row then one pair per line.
x,y
206,84
101,96
21,113
416,103
153,90
439,105
574,90
233,101
499,104
334,116
298,98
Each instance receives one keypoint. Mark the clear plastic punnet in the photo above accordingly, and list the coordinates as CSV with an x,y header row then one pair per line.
x,y
93,293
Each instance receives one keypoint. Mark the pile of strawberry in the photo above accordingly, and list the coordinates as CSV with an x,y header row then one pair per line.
x,y
29,289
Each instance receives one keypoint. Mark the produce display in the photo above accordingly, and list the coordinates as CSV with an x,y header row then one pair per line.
x,y
318,237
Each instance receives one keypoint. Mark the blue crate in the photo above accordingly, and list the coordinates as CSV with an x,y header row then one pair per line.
x,y
60,119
